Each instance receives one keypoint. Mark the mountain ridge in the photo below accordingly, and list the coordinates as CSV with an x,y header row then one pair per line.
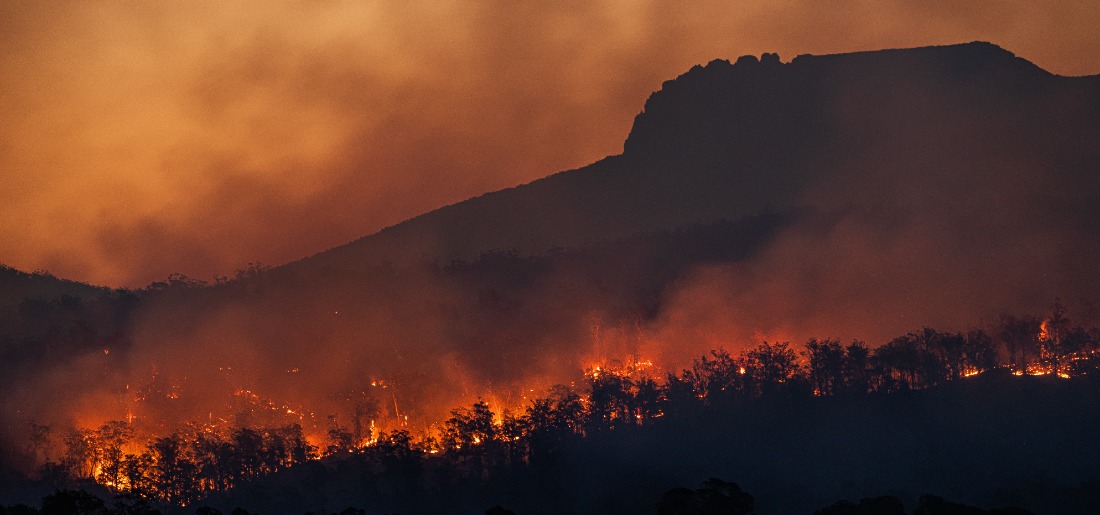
x,y
689,127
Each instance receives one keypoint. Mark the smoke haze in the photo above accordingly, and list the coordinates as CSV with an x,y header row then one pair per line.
x,y
141,140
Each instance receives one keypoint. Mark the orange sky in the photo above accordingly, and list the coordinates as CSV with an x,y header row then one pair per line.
x,y
141,139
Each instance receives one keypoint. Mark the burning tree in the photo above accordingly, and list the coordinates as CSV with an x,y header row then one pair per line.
x,y
717,380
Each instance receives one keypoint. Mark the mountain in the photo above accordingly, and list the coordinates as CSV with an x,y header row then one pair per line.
x,y
728,140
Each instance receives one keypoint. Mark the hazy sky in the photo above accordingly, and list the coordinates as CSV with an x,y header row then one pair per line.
x,y
145,138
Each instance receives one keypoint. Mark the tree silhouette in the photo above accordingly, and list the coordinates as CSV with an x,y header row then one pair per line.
x,y
980,352
648,399
246,459
40,442
770,366
81,453
952,350
173,473
718,379
341,439
1018,336
469,427
933,357
1053,332
138,473
681,399
611,402
472,437
912,361
551,421
110,438
857,368
826,366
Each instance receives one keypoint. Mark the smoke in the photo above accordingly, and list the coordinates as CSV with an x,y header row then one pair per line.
x,y
150,139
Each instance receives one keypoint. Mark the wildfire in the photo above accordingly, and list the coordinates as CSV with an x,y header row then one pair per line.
x,y
611,394
1040,369
595,372
633,367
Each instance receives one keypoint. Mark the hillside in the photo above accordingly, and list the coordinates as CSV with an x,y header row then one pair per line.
x,y
16,286
729,140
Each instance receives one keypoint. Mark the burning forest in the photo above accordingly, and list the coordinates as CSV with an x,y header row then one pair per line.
x,y
189,462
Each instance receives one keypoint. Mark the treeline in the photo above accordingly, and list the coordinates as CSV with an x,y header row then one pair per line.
x,y
625,397
480,441
176,469
477,442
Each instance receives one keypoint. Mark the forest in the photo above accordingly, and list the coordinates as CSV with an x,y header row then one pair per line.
x,y
482,450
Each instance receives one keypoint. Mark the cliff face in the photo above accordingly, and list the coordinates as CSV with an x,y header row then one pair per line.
x,y
761,108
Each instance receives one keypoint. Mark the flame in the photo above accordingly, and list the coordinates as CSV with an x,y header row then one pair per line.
x,y
1044,333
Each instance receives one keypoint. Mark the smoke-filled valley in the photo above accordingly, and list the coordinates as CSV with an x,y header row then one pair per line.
x,y
850,197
